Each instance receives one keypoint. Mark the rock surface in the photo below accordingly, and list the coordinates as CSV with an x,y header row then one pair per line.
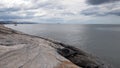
x,y
18,50
22,51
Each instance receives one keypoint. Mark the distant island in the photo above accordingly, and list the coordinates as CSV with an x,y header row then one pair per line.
x,y
13,22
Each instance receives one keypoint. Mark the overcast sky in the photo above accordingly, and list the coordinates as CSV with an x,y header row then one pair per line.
x,y
61,11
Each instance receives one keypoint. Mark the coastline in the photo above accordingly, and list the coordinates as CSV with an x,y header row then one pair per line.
x,y
72,57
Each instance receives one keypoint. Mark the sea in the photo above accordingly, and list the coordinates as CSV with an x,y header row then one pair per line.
x,y
102,40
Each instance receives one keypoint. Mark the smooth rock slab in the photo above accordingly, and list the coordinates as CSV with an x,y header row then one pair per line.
x,y
29,52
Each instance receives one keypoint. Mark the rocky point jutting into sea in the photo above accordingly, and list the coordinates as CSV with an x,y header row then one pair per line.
x,y
19,50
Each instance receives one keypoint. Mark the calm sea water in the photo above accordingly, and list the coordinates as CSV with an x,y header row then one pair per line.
x,y
100,40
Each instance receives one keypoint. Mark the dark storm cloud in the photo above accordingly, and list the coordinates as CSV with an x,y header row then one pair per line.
x,y
97,2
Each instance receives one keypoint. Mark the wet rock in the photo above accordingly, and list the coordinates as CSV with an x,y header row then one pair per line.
x,y
66,52
80,58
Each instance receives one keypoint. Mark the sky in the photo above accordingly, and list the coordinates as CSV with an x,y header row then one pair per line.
x,y
61,11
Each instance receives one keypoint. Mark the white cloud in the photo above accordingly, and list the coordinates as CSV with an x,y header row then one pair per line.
x,y
15,3
53,8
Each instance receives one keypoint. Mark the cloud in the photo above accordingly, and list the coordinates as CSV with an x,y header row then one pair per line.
x,y
98,2
95,11
8,9
103,10
51,20
57,10
90,11
41,9
115,12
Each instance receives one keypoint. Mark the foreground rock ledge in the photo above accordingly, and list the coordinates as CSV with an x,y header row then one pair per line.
x,y
18,50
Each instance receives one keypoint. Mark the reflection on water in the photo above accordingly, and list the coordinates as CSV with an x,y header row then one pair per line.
x,y
101,40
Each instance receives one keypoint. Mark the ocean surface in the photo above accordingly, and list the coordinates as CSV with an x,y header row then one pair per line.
x,y
100,40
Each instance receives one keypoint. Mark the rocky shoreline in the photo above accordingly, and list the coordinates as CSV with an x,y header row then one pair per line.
x,y
19,50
